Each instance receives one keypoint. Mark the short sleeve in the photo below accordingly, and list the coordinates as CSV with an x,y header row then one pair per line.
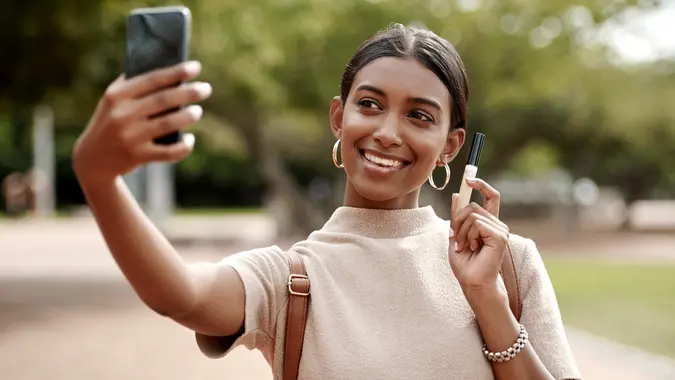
x,y
541,316
264,273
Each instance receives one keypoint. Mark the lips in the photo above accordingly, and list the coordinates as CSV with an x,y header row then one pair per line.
x,y
383,160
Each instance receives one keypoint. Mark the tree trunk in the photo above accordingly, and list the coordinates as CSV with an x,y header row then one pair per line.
x,y
290,207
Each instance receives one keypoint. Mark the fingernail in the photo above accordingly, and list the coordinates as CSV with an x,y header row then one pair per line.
x,y
189,139
195,111
470,180
193,67
204,89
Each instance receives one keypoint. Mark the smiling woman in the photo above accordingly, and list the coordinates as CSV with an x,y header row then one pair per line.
x,y
396,292
393,133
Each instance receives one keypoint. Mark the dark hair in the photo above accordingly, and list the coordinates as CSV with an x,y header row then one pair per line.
x,y
434,52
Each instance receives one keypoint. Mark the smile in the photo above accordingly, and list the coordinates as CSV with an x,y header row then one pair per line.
x,y
382,162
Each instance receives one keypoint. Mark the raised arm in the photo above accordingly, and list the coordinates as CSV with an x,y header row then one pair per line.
x,y
119,137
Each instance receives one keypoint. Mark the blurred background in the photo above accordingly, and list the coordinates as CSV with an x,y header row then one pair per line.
x,y
576,99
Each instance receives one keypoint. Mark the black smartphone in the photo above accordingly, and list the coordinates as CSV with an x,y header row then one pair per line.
x,y
157,37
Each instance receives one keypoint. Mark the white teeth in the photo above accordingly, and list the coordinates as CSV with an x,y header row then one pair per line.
x,y
383,161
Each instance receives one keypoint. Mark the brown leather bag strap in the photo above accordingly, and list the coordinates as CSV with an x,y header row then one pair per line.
x,y
296,318
298,299
510,277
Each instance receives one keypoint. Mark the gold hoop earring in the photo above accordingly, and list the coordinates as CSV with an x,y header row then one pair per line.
x,y
447,178
335,155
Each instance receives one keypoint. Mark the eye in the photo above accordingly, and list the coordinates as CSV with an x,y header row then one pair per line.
x,y
368,103
421,115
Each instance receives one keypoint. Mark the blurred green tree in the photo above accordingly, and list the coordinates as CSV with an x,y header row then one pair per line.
x,y
538,79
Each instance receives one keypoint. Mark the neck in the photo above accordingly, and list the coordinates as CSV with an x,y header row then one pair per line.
x,y
354,199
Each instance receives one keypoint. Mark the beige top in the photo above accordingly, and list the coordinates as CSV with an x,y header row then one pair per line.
x,y
385,303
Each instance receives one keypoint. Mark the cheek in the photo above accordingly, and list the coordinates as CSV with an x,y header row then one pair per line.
x,y
353,120
356,126
427,149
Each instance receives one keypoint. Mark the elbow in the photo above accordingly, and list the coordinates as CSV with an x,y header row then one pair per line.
x,y
167,312
177,298
171,304
172,310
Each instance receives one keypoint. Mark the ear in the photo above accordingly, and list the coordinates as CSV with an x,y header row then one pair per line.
x,y
452,146
336,112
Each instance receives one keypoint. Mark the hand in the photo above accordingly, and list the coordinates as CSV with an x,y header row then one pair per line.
x,y
119,136
477,247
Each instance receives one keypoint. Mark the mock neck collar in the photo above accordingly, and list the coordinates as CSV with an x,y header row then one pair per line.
x,y
379,223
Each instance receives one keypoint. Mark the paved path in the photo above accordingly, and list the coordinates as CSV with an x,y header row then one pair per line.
x,y
127,343
130,342
66,313
600,358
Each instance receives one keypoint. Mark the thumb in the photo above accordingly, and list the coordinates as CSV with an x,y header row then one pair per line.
x,y
452,253
452,247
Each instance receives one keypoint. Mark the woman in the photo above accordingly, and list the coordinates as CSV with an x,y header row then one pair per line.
x,y
397,293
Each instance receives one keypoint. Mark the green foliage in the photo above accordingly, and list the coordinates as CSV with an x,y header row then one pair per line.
x,y
536,158
540,91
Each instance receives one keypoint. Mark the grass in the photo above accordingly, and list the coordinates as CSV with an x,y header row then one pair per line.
x,y
629,303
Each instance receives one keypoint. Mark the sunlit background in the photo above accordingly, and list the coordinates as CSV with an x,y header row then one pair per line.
x,y
576,98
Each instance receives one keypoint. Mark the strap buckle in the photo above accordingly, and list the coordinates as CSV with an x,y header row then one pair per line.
x,y
290,284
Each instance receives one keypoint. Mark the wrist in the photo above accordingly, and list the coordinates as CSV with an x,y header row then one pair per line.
x,y
94,184
495,320
88,175
486,299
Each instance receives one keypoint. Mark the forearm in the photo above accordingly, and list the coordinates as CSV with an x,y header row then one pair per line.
x,y
148,261
500,330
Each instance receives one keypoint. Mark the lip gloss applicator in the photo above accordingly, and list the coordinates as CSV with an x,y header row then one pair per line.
x,y
470,170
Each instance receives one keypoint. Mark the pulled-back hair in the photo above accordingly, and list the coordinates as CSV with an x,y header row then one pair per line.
x,y
434,52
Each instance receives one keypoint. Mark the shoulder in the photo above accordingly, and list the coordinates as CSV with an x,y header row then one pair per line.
x,y
265,268
524,250
271,256
530,268
269,265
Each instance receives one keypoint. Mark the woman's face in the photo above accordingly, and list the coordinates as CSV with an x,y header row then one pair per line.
x,y
394,130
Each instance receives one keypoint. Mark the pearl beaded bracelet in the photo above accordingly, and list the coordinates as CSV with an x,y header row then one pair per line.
x,y
510,352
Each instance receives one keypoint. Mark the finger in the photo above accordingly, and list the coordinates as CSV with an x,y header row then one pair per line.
x,y
453,245
473,236
152,81
459,218
167,124
488,192
491,235
464,231
475,207
457,221
113,92
168,153
481,234
170,98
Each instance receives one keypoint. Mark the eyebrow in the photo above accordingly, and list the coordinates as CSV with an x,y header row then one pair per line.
x,y
419,100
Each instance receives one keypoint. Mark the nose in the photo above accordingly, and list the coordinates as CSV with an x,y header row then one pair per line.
x,y
389,132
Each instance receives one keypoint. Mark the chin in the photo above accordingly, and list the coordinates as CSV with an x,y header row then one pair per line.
x,y
376,192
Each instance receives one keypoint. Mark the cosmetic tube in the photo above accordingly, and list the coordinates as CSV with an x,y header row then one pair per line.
x,y
470,171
